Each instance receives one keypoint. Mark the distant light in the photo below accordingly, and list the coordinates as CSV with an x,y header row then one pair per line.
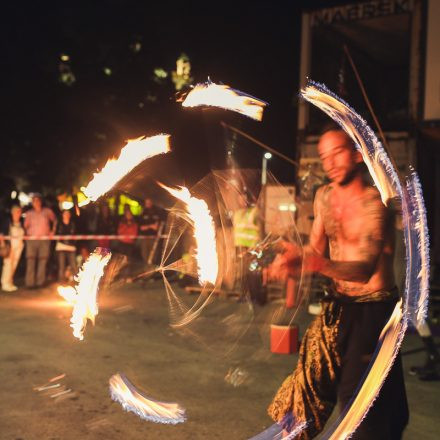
x,y
141,105
181,77
24,198
136,46
160,73
66,205
268,155
64,57
287,207
13,194
107,71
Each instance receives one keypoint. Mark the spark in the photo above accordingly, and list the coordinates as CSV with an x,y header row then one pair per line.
x,y
132,154
131,399
223,96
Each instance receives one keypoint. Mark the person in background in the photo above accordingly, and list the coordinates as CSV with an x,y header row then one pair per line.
x,y
127,226
13,227
65,249
106,225
148,228
39,222
247,234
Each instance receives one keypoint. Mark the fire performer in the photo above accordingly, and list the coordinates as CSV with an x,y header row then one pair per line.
x,y
356,229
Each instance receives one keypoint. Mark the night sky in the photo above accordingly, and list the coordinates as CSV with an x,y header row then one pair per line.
x,y
55,135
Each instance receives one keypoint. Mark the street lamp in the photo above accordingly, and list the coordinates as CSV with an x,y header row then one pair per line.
x,y
266,157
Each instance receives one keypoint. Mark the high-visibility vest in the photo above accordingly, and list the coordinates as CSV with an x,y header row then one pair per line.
x,y
246,229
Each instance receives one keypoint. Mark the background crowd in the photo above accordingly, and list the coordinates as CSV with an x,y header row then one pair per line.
x,y
31,253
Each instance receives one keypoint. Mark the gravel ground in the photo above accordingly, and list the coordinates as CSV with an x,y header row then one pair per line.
x,y
132,335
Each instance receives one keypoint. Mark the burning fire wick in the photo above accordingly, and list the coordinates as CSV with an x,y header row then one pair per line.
x,y
223,96
198,215
83,295
134,152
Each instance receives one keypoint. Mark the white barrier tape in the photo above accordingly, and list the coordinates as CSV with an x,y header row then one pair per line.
x,y
80,237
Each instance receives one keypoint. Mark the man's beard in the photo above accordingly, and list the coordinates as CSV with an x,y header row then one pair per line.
x,y
351,175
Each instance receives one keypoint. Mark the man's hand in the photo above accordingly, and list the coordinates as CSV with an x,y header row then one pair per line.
x,y
153,227
312,262
286,264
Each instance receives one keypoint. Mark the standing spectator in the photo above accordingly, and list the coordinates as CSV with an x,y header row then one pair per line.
x,y
106,225
247,234
149,226
39,222
65,248
13,226
127,226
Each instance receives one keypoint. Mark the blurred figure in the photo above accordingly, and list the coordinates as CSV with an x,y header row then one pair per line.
x,y
106,225
13,226
40,221
65,249
148,228
430,369
247,234
127,226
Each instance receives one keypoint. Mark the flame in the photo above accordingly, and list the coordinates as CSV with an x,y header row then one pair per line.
x,y
68,293
132,154
204,233
223,96
85,305
124,392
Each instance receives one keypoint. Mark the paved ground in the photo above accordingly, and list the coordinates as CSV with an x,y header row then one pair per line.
x,y
132,335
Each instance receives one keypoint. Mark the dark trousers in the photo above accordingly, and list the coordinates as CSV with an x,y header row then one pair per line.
x,y
62,257
37,254
146,245
334,355
359,330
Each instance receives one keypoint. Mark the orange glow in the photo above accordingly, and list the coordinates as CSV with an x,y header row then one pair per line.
x,y
132,154
204,233
219,95
68,293
85,303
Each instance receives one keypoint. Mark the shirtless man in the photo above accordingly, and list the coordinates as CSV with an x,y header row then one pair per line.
x,y
355,230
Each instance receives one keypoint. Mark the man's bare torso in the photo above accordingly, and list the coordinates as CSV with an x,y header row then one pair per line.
x,y
358,228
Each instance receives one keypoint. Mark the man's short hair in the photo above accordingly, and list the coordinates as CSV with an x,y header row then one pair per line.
x,y
330,126
333,126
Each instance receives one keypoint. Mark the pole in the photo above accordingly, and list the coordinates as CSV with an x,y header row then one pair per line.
x,y
264,172
256,141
